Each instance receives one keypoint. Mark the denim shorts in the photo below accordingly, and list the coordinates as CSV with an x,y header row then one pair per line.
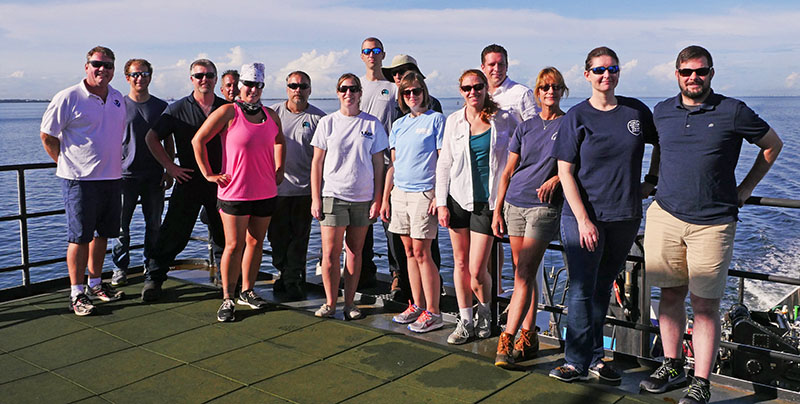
x,y
92,206
260,208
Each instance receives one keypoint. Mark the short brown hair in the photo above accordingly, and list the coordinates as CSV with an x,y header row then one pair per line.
x,y
494,48
373,39
693,52
100,49
600,51
408,80
345,77
549,73
299,73
142,62
489,106
205,63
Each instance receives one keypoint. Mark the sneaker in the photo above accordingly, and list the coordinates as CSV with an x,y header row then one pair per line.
x,y
151,291
606,372
669,374
483,322
699,392
250,298
81,305
410,315
527,345
505,346
352,313
294,292
120,278
325,311
226,311
426,322
568,373
105,292
462,334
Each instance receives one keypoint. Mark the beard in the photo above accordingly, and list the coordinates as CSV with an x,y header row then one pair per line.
x,y
695,94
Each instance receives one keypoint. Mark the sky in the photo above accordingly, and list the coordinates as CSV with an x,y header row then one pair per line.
x,y
754,44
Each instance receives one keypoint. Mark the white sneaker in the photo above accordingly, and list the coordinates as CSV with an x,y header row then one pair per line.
x,y
427,322
462,334
325,311
352,313
483,323
410,315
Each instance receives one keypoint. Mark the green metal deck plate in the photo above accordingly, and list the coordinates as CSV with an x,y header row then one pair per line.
x,y
371,358
200,343
254,363
319,382
326,338
184,384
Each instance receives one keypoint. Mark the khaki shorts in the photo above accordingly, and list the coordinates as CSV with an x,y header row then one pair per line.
x,y
538,222
677,253
410,216
339,213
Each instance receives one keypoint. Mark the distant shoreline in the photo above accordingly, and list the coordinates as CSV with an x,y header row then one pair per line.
x,y
18,100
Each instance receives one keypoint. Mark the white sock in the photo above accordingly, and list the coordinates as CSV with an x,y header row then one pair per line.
x,y
466,315
94,282
75,290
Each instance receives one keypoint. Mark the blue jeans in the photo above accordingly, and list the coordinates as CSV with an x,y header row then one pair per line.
x,y
152,206
591,275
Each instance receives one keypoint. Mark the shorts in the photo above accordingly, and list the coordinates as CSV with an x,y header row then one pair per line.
x,y
479,220
260,207
410,215
92,206
339,213
538,222
678,253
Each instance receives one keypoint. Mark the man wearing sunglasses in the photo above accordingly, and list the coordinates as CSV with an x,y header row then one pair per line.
x,y
142,176
290,227
181,120
82,132
507,93
691,224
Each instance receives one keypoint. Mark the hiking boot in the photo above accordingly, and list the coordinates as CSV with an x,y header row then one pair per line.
x,y
669,374
527,345
250,298
151,291
120,278
483,321
427,321
81,305
699,392
462,334
352,313
568,373
105,292
606,372
504,358
226,311
410,315
325,311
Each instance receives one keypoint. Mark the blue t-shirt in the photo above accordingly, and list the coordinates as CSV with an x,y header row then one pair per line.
x,y
533,141
479,146
137,161
416,141
699,152
607,148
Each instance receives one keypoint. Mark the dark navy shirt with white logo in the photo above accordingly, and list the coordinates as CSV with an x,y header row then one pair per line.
x,y
534,145
699,152
607,148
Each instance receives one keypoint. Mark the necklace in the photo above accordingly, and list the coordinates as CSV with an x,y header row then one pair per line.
x,y
547,122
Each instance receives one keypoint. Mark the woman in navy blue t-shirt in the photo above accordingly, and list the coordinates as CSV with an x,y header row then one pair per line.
x,y
599,151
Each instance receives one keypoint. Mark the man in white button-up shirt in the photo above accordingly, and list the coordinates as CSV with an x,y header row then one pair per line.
x,y
510,95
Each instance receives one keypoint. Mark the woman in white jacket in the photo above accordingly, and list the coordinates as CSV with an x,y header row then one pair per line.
x,y
474,152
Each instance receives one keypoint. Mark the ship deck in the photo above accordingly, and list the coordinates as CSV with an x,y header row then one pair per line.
x,y
174,350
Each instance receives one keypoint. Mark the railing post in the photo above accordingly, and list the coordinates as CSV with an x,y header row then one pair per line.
x,y
23,228
741,290
495,271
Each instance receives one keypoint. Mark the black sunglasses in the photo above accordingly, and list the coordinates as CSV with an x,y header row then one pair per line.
x,y
416,91
295,86
136,75
703,71
352,89
602,69
476,87
374,51
208,75
256,84
547,87
99,63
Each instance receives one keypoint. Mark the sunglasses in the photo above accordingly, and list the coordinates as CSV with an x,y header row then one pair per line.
x,y
295,86
703,71
99,63
416,91
352,89
374,51
602,69
208,75
136,75
476,87
256,84
547,87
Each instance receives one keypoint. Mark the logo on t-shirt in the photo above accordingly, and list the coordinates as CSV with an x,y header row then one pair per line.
x,y
423,131
367,134
306,124
555,134
634,127
384,92
116,102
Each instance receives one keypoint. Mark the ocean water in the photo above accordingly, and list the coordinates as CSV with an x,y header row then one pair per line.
x,y
765,239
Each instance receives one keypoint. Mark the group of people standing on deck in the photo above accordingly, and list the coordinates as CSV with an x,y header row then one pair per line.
x,y
511,161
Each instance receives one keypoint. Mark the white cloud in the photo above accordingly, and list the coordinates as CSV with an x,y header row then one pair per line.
x,y
324,69
432,75
513,62
235,59
17,74
792,80
629,66
663,72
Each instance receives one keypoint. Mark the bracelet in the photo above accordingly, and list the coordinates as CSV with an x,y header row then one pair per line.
x,y
651,179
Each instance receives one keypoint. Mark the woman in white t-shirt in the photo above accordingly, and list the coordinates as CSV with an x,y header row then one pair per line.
x,y
346,190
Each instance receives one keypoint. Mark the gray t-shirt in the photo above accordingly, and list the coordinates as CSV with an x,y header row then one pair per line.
x,y
298,130
137,161
379,99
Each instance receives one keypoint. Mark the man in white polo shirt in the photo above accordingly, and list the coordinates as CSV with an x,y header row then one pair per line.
x,y
505,92
82,131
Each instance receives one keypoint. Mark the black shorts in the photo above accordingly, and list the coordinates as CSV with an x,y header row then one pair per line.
x,y
260,208
479,220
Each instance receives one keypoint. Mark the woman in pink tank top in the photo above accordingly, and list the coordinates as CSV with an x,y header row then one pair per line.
x,y
252,168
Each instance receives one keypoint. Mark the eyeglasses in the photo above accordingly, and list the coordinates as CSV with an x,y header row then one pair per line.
x,y
352,89
136,75
416,91
476,87
207,75
374,51
545,88
256,84
703,71
400,73
602,69
295,86
99,63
